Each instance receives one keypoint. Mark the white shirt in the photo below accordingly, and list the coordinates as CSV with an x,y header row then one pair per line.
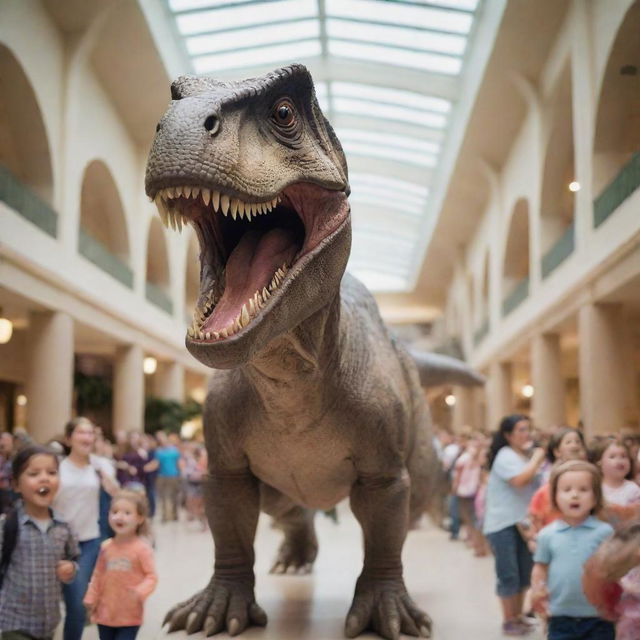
x,y
78,499
627,493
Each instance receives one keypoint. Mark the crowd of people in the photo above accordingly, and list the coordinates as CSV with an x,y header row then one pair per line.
x,y
561,518
552,509
75,526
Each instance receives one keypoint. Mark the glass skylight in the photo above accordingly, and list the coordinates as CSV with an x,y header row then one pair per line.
x,y
391,124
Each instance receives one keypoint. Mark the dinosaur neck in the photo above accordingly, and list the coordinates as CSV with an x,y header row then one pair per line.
x,y
288,371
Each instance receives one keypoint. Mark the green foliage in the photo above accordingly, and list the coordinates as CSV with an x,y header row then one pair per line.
x,y
168,415
92,392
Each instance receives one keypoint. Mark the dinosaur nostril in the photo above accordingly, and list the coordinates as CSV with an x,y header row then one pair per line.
x,y
158,127
212,124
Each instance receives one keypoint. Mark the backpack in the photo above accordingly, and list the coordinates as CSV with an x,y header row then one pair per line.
x,y
9,525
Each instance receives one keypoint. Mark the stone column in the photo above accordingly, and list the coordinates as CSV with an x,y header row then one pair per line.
x,y
548,382
603,367
128,389
463,410
169,381
49,387
499,393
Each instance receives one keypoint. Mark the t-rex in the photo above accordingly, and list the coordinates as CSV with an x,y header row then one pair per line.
x,y
316,401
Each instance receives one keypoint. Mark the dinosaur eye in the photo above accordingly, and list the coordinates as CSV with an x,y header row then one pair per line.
x,y
284,114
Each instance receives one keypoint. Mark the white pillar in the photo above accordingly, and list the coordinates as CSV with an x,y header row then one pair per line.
x,y
128,389
548,382
499,393
463,410
49,386
169,381
603,367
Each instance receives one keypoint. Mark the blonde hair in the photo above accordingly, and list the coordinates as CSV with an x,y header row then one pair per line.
x,y
577,465
139,499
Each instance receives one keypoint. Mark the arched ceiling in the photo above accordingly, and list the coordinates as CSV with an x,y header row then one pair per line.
x,y
388,76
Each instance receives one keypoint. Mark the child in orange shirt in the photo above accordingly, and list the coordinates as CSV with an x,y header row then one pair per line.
x,y
125,574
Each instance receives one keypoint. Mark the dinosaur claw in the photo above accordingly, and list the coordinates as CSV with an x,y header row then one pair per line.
x,y
209,626
234,627
425,632
192,626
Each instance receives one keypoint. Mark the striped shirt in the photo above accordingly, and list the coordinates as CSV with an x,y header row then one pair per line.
x,y
31,592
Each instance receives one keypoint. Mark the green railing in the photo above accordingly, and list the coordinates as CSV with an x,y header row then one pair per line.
x,y
26,203
617,191
96,252
157,296
518,294
481,332
562,248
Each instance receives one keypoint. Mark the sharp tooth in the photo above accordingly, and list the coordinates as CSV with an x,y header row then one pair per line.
x,y
234,207
195,192
244,316
162,210
248,213
274,203
237,325
206,196
171,192
224,203
224,333
265,294
241,207
207,336
215,198
190,332
252,307
216,335
252,208
178,223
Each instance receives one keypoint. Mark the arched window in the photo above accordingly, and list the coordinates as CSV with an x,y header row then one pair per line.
x,y
515,271
158,282
103,237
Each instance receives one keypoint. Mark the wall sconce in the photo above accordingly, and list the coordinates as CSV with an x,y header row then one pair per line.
x,y
574,186
149,365
6,329
450,400
528,391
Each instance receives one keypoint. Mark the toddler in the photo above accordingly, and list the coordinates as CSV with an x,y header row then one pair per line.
x,y
38,551
125,574
615,462
562,550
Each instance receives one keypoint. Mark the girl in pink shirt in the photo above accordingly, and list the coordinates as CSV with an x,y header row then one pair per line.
x,y
125,574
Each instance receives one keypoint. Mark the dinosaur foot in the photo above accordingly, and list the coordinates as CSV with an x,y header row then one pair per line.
x,y
296,556
384,606
221,605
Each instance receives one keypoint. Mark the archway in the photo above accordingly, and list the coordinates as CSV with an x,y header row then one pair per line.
x,y
158,281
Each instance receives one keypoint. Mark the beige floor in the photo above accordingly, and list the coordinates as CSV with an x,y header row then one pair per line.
x,y
455,588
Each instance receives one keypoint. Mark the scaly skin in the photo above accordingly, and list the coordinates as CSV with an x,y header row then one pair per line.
x,y
314,401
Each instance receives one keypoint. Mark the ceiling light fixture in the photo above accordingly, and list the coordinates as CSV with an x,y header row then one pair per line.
x,y
150,365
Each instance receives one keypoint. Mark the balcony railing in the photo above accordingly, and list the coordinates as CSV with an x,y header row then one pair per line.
x,y
518,294
157,296
617,191
26,203
559,252
481,332
96,252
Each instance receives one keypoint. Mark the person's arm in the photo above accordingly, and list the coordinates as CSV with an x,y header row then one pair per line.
x,y
93,590
539,589
152,465
150,580
530,470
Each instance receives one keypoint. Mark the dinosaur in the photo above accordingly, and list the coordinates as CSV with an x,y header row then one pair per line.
x,y
314,400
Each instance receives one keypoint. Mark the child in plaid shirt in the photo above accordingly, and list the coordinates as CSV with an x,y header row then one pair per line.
x,y
44,553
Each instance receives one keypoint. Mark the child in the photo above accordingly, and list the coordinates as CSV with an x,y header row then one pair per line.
x,y
43,554
125,574
616,464
563,548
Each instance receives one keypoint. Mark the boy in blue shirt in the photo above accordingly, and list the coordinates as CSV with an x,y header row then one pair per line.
x,y
563,548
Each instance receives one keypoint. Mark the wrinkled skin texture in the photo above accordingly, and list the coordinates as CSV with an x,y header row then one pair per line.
x,y
315,401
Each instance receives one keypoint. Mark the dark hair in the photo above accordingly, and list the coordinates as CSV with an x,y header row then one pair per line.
x,y
499,440
600,445
577,465
70,427
21,460
557,438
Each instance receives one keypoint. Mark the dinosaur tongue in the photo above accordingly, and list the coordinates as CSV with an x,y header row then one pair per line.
x,y
250,268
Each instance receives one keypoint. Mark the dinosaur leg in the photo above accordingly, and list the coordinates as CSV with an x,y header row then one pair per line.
x,y
232,503
299,548
381,602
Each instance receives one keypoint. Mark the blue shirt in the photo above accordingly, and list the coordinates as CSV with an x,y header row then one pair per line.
x,y
566,549
167,458
506,504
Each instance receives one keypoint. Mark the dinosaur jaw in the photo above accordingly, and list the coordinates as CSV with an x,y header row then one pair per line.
x,y
251,253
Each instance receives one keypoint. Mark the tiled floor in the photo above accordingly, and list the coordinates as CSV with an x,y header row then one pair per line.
x,y
455,588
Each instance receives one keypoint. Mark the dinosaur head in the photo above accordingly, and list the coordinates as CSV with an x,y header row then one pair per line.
x,y
258,171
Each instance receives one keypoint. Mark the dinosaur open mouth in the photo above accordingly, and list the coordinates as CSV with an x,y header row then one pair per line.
x,y
248,248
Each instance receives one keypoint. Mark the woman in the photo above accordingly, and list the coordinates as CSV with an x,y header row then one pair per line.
x,y
82,474
514,463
